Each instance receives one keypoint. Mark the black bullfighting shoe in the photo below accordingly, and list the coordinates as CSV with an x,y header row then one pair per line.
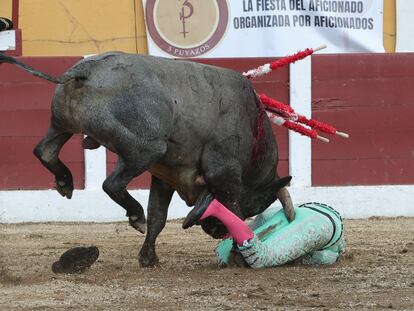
x,y
195,214
76,260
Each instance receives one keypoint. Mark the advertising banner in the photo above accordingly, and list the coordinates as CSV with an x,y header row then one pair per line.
x,y
260,28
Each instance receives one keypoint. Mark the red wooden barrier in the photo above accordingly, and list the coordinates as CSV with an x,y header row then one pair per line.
x,y
369,96
24,118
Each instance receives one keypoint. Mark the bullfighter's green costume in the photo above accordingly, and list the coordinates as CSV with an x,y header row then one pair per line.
x,y
314,237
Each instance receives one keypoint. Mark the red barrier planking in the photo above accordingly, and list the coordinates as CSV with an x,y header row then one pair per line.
x,y
25,103
279,89
361,66
14,149
54,66
20,169
369,95
11,179
354,172
13,99
24,123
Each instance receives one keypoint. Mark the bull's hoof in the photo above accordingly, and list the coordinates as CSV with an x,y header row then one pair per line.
x,y
147,260
137,223
65,189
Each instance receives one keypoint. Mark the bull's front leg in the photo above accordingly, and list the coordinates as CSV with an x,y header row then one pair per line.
x,y
159,200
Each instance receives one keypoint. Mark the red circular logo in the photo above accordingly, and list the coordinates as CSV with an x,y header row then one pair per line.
x,y
186,28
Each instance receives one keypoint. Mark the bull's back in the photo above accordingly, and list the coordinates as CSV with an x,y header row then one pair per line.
x,y
189,98
198,95
194,85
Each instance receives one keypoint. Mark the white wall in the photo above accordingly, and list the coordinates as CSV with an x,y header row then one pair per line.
x,y
95,205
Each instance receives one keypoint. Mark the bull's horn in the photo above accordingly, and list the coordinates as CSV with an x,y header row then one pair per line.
x,y
284,197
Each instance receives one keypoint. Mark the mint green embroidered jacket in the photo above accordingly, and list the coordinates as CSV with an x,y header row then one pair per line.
x,y
314,237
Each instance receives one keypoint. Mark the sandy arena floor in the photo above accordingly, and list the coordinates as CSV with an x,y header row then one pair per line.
x,y
376,273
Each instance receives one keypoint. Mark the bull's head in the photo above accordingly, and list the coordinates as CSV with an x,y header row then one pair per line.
x,y
254,200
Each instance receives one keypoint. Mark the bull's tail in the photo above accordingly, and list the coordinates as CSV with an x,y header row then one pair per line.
x,y
57,80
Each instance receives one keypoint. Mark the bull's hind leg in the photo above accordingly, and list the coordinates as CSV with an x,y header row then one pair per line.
x,y
47,151
159,200
132,162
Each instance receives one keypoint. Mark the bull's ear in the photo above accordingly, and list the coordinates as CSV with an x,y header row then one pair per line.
x,y
282,182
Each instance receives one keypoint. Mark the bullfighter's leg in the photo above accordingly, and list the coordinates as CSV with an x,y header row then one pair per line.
x,y
47,151
159,200
132,162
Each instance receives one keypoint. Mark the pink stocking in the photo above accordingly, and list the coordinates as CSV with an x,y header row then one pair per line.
x,y
239,230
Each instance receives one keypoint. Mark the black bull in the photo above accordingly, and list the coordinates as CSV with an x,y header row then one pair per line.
x,y
198,129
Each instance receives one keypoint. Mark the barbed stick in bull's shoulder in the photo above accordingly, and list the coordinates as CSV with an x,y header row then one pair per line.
x,y
267,68
286,112
296,127
287,116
